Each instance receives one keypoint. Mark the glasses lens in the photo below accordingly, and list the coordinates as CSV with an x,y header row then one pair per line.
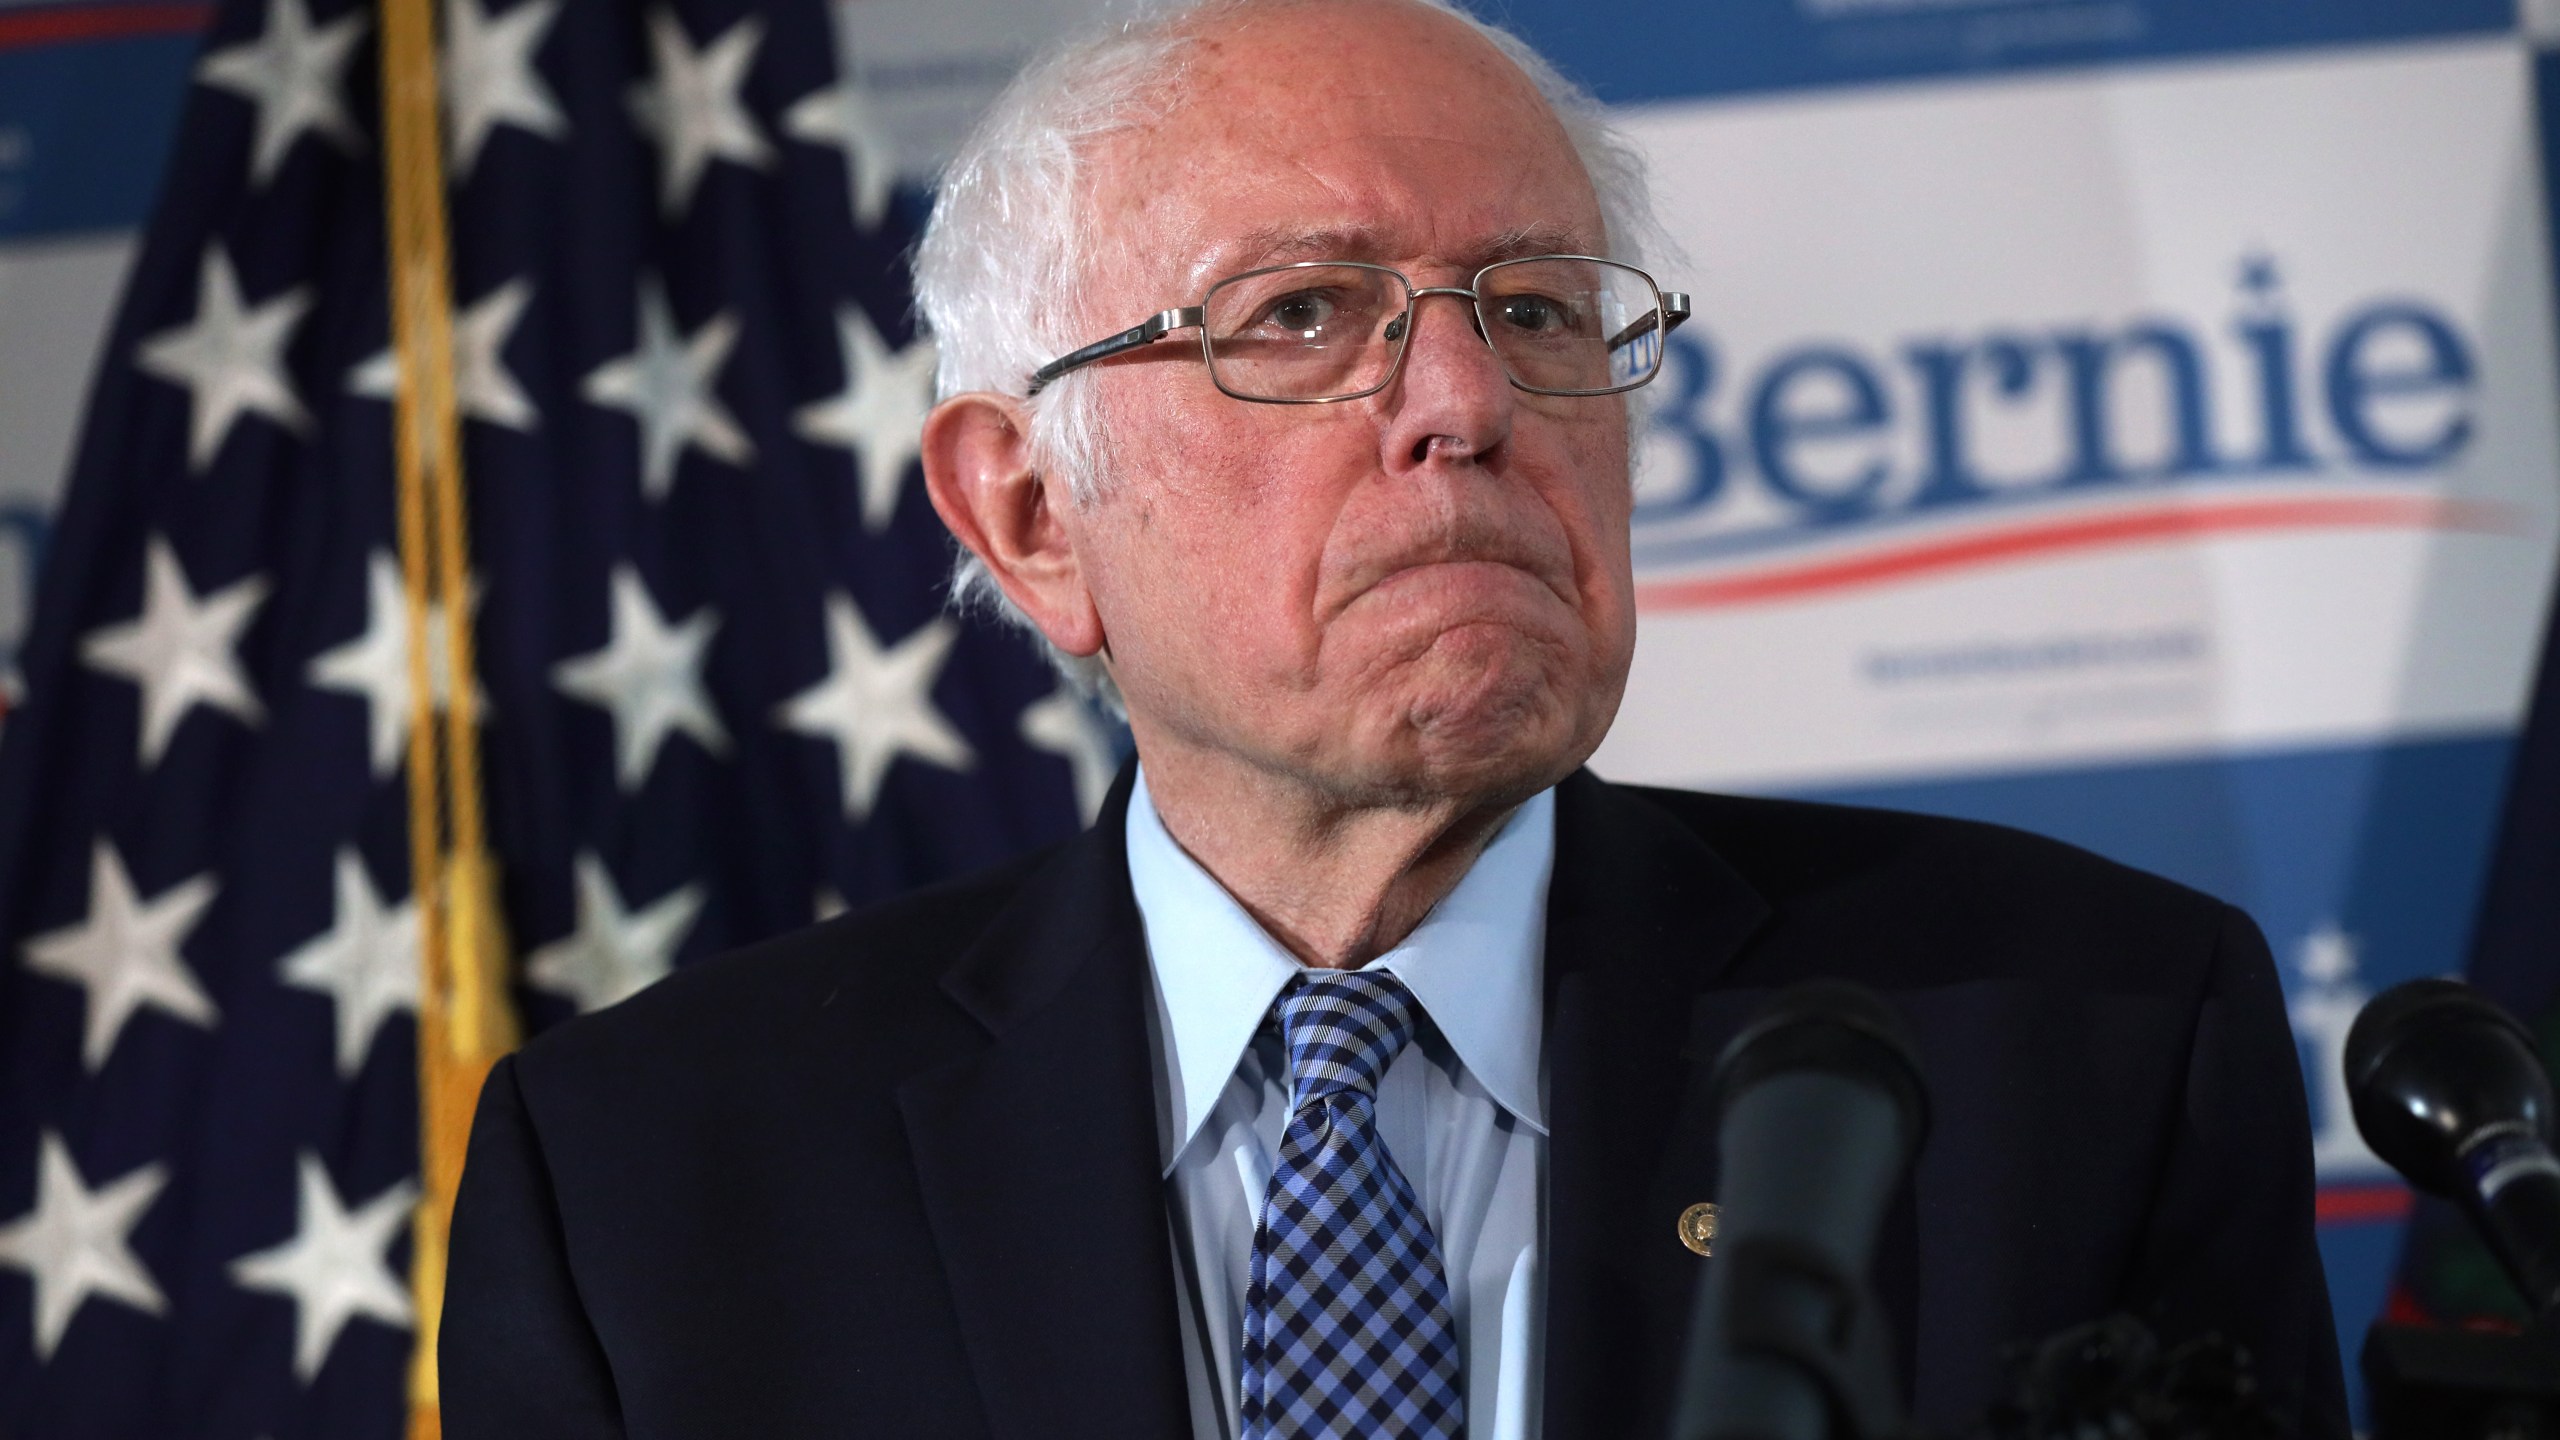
x,y
1569,326
1304,332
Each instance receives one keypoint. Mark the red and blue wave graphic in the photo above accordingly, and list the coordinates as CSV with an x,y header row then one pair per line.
x,y
1981,546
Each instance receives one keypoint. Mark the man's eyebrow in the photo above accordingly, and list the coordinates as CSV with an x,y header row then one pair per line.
x,y
1281,245
1532,240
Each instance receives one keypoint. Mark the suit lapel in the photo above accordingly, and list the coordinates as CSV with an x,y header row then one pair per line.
x,y
1641,917
1037,1158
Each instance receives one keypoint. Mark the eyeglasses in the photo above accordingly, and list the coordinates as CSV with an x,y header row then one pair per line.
x,y
1327,330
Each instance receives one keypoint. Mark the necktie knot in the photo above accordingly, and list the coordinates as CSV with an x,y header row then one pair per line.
x,y
1343,1029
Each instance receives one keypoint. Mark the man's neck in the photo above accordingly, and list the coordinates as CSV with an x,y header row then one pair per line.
x,y
1338,883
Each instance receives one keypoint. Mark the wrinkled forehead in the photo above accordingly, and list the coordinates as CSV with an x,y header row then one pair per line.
x,y
1364,131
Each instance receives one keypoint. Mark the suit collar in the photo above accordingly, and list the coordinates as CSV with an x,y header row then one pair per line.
x,y
1036,1157
1642,918
1071,910
1638,899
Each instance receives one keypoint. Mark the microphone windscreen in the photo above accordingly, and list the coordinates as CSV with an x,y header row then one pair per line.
x,y
2430,1064
1834,1027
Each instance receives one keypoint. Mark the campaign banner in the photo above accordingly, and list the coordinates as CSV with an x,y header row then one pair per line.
x,y
2084,417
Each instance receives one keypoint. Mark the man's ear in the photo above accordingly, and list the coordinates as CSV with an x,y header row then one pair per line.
x,y
978,471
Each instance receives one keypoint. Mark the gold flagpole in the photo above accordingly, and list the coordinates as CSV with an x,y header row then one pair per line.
x,y
464,1020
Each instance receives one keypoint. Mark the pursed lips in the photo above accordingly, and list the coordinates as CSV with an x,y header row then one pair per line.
x,y
1465,568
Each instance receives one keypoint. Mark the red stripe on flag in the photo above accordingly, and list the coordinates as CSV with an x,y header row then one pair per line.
x,y
2079,533
70,24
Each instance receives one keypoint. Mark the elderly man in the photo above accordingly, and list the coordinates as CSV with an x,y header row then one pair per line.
x,y
1348,1077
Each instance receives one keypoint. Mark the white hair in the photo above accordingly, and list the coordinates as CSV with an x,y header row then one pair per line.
x,y
1002,259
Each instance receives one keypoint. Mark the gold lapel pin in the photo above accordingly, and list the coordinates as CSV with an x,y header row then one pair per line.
x,y
1698,1228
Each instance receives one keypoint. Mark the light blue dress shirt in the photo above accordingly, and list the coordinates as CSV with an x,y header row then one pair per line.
x,y
1461,1110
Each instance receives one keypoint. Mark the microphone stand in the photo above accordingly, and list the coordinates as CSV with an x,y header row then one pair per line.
x,y
1786,1309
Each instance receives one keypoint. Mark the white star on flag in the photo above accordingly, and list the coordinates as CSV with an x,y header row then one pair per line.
x,y
483,387
293,73
692,108
180,650
374,665
840,116
230,358
879,414
77,1242
490,78
876,705
366,962
613,954
649,675
333,1268
125,954
1064,725
670,386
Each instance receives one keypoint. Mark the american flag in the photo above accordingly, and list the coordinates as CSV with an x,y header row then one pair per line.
x,y
717,691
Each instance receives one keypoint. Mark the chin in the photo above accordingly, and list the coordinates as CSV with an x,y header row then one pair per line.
x,y
1502,727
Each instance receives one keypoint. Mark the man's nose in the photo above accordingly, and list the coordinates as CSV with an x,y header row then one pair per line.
x,y
1450,382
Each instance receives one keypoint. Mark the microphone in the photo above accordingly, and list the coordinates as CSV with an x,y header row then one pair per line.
x,y
2448,1090
1822,1109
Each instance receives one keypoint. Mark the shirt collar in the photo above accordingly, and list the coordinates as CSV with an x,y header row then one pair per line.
x,y
1474,964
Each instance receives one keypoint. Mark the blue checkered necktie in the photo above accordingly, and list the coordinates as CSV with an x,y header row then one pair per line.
x,y
1346,1324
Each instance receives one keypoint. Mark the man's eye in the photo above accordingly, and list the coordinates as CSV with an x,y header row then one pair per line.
x,y
1536,314
1303,312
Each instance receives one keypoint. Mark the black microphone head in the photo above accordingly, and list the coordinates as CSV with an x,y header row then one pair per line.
x,y
2431,1064
1837,1027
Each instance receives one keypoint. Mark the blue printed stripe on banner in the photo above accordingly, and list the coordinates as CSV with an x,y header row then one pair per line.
x,y
1631,51
89,99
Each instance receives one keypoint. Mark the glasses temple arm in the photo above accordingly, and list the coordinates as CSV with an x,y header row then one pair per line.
x,y
1675,308
1148,332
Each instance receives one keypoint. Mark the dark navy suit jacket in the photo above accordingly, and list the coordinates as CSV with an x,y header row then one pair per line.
x,y
897,1175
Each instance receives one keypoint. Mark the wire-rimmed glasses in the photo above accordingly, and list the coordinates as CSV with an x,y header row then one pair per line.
x,y
1325,330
